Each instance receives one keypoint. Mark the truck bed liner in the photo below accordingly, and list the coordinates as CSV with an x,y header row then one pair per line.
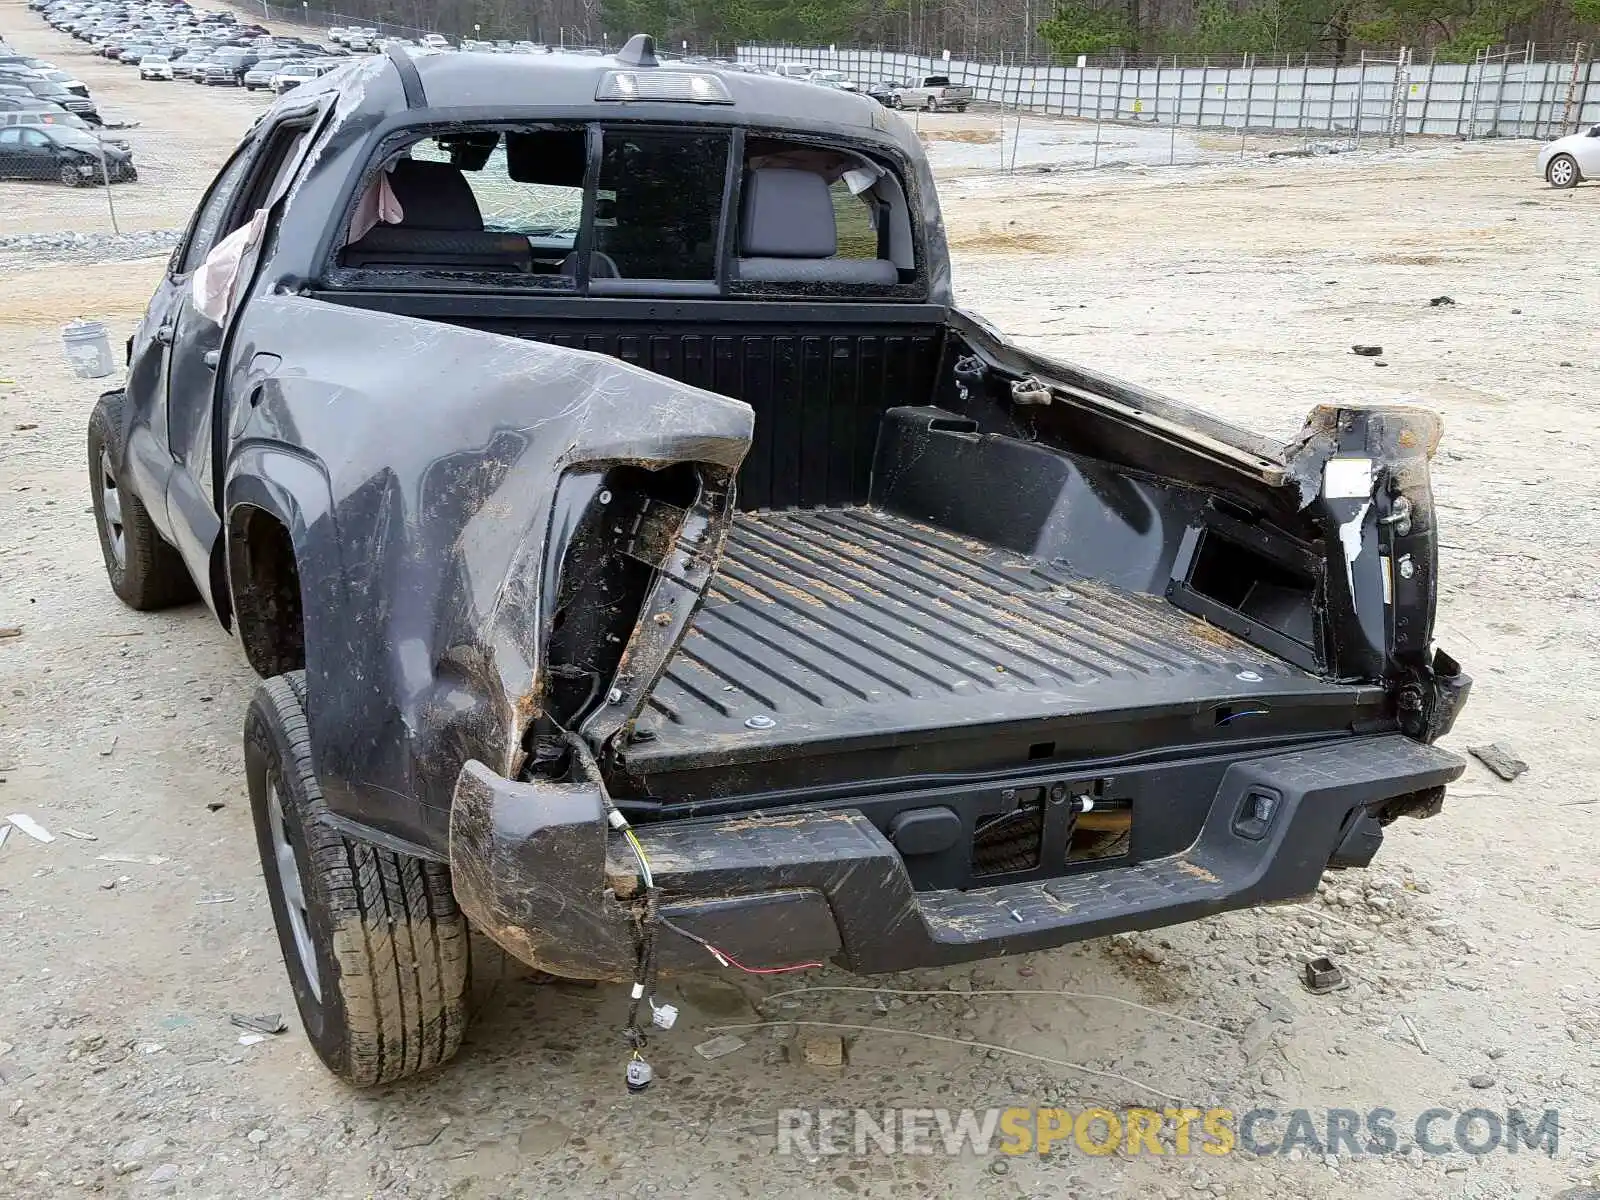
x,y
848,624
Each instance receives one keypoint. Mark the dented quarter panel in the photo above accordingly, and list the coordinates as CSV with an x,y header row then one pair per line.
x,y
436,453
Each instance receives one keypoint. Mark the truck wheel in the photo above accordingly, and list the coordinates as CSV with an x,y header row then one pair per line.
x,y
374,942
146,572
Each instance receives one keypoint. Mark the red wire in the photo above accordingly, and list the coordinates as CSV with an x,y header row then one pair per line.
x,y
723,954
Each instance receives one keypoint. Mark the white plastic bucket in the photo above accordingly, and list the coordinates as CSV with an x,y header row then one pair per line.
x,y
88,348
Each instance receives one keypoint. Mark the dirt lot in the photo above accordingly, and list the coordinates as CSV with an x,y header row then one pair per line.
x,y
1472,946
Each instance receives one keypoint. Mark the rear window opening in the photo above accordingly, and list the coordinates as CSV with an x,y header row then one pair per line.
x,y
632,210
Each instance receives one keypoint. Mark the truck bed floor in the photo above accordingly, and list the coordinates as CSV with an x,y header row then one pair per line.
x,y
848,625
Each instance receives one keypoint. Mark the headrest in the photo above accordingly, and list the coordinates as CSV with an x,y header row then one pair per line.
x,y
787,214
434,195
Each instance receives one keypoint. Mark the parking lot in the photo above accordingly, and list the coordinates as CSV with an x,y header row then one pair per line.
x,y
1237,281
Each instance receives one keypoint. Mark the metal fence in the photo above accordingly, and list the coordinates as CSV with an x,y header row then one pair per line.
x,y
1500,94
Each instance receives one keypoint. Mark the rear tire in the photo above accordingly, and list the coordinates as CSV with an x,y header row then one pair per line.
x,y
1562,172
376,948
146,572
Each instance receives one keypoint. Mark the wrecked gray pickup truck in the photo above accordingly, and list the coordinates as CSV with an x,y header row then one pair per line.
x,y
648,564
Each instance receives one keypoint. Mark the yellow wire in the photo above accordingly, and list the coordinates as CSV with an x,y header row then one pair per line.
x,y
644,863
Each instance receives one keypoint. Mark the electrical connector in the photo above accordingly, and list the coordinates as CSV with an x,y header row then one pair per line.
x,y
663,1016
616,820
639,1075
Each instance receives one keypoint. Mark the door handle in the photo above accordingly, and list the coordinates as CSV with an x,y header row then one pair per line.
x,y
164,334
210,359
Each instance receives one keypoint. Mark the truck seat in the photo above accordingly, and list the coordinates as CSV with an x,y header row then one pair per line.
x,y
442,226
787,233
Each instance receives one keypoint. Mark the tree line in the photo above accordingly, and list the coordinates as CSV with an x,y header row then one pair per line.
x,y
1022,29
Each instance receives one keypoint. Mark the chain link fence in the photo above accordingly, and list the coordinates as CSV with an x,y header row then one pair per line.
x,y
1501,94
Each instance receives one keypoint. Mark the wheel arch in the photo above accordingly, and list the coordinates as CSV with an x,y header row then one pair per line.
x,y
272,500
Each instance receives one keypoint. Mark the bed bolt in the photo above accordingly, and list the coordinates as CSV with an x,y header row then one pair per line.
x,y
1249,676
759,721
605,496
614,696
1058,793
1407,567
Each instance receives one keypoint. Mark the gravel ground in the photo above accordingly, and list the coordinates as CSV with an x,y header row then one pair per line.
x,y
1471,946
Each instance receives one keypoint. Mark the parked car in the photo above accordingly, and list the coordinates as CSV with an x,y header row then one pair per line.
x,y
1567,162
63,120
933,94
292,75
219,72
793,70
881,90
54,93
260,75
156,66
834,79
71,156
66,79
187,64
436,41
595,659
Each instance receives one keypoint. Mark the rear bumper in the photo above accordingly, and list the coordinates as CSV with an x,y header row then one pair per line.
x,y
537,869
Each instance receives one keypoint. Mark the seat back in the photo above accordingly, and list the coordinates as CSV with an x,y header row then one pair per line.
x,y
441,226
787,233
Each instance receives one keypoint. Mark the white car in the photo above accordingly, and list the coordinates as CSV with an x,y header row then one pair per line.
x,y
436,41
833,79
1567,162
155,66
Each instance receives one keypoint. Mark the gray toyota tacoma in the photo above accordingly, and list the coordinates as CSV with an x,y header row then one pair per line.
x,y
650,567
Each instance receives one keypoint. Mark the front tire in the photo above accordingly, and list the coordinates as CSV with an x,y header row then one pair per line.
x,y
1562,172
69,176
146,571
375,945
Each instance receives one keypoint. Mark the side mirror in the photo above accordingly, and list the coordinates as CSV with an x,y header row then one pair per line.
x,y
1594,131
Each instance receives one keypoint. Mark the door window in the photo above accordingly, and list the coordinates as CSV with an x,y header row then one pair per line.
x,y
658,212
206,229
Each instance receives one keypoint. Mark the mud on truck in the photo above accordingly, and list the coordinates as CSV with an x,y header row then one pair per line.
x,y
651,568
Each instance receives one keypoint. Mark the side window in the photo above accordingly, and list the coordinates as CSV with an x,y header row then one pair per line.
x,y
34,139
529,183
853,219
207,229
659,207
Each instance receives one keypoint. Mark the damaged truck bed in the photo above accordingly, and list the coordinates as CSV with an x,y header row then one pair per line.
x,y
651,567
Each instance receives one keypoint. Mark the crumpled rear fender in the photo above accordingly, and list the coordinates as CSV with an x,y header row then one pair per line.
x,y
440,450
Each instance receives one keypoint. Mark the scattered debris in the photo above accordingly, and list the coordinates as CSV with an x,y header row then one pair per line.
x,y
216,898
250,1039
257,1136
1323,975
109,747
147,860
1442,302
165,1173
822,1050
259,1022
216,805
727,1043
1416,1035
108,885
1367,351
31,827
1564,363
24,426
1378,362
80,835
1481,1082
10,631
1499,759
5,832
1516,312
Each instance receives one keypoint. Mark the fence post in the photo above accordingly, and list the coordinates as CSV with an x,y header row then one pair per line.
x,y
1361,97
1099,86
